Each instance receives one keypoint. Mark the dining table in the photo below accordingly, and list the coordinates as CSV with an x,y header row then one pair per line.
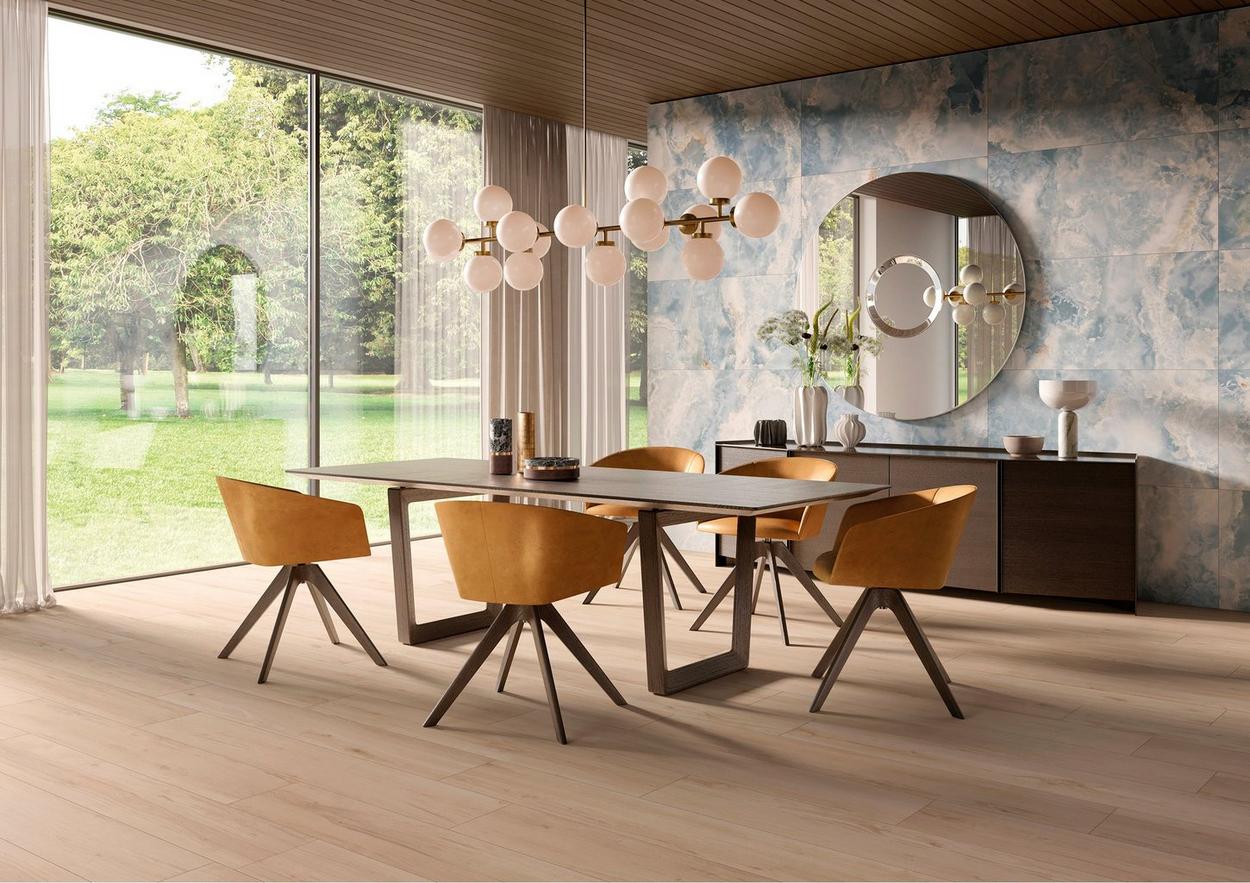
x,y
662,498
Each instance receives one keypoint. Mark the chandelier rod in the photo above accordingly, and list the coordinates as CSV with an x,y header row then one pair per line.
x,y
585,68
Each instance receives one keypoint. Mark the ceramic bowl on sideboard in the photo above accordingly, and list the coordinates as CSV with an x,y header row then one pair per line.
x,y
1023,445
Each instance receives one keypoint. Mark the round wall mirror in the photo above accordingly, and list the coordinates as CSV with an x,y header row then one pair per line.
x,y
927,268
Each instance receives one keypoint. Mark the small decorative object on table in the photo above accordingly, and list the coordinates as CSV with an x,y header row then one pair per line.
x,y
770,433
1067,396
526,435
500,446
1023,445
552,468
849,432
815,346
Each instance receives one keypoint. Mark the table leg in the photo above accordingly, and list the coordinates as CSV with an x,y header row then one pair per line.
x,y
411,631
660,678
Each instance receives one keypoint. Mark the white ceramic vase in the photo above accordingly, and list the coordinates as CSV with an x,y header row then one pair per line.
x,y
811,415
849,431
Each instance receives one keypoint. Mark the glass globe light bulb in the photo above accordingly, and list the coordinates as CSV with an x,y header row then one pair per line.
x,y
523,270
703,258
491,203
605,265
703,210
542,244
1014,292
757,215
576,226
482,273
655,244
646,182
719,178
993,313
975,294
516,231
963,314
443,240
642,219
930,297
971,273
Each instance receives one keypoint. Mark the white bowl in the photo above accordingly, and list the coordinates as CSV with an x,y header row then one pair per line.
x,y
1023,445
1067,395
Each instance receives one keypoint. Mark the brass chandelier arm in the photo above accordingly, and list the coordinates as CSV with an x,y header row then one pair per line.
x,y
689,224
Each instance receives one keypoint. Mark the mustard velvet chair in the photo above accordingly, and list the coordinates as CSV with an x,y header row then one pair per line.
x,y
279,527
657,458
527,558
903,542
774,532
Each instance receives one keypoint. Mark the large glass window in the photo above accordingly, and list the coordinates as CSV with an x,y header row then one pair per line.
x,y
400,355
636,370
178,296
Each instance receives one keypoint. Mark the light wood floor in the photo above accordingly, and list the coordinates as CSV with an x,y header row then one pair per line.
x,y
1097,745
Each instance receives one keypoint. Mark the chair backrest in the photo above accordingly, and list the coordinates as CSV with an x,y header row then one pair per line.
x,y
656,457
902,542
274,525
506,553
810,518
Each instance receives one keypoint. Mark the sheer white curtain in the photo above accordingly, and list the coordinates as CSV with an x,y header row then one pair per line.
x,y
23,328
598,333
525,333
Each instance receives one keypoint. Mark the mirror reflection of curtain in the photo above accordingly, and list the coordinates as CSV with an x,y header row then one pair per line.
x,y
991,246
437,323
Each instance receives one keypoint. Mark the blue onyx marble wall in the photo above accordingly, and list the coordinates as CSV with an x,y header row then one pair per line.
x,y
1122,161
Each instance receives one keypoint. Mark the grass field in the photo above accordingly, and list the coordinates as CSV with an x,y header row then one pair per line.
x,y
135,495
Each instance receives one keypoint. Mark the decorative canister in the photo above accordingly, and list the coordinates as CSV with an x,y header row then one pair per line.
x,y
526,435
770,433
500,446
811,414
849,431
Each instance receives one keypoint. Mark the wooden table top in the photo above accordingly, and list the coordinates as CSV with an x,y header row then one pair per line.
x,y
683,491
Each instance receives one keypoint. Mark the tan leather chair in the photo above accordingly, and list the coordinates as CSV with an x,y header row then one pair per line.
x,y
657,458
276,526
774,532
903,542
526,558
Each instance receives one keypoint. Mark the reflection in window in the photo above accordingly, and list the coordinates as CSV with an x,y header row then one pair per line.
x,y
636,370
400,354
178,296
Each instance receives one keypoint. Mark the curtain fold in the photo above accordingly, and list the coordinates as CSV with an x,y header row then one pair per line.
x,y
525,352
598,330
23,326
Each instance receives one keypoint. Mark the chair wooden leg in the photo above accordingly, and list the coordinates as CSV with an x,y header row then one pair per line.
x,y
723,592
759,579
920,643
318,578
494,634
823,665
669,546
514,637
631,546
323,611
840,650
544,666
280,582
668,578
798,572
781,605
284,610
561,629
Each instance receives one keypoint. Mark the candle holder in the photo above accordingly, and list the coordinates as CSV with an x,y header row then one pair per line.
x,y
500,446
1067,396
526,435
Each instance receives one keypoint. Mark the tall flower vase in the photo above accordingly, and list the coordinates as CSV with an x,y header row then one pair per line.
x,y
854,395
811,415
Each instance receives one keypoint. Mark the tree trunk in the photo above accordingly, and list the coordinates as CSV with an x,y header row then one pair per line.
x,y
196,361
181,401
126,373
642,375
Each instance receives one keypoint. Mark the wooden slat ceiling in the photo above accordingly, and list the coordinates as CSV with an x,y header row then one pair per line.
x,y
526,55
936,193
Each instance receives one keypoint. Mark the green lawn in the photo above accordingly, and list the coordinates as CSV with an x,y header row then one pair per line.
x,y
129,496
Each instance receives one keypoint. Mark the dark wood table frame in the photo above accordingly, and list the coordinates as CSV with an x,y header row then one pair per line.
x,y
672,497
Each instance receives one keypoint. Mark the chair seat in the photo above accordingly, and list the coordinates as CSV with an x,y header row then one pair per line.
x,y
766,528
612,510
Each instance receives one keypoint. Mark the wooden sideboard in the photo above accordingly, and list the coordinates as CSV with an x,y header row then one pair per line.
x,y
1040,526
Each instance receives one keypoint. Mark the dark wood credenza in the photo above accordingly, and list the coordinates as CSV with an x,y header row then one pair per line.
x,y
1040,526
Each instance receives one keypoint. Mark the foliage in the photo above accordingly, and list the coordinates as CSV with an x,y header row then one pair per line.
x,y
810,339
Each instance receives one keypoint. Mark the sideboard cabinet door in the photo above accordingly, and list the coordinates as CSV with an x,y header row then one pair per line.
x,y
1069,529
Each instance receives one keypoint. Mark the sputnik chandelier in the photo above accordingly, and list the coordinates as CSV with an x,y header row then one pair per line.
x,y
971,294
642,221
